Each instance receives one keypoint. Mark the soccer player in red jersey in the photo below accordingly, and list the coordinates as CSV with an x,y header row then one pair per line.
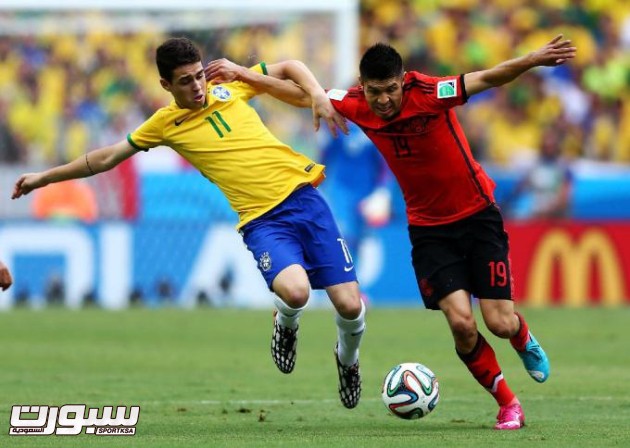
x,y
459,246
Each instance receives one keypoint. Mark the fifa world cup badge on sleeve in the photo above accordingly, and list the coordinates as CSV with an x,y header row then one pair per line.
x,y
447,89
336,94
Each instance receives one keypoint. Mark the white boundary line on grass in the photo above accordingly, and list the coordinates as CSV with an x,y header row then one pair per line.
x,y
463,399
331,400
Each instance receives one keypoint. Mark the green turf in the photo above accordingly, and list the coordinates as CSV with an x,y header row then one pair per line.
x,y
205,378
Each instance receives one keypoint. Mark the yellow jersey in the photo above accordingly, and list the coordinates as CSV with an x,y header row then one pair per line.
x,y
229,144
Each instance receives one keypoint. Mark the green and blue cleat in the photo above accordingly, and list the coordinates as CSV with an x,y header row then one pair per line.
x,y
535,360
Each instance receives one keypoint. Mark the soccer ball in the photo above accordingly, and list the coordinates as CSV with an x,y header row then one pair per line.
x,y
410,391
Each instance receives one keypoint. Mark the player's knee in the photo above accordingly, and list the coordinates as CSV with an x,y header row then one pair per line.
x,y
502,326
463,327
350,307
295,295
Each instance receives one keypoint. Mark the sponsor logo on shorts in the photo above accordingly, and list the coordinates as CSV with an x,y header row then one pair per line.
x,y
346,255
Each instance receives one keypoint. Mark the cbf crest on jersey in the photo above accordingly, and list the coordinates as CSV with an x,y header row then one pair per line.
x,y
221,93
447,89
264,262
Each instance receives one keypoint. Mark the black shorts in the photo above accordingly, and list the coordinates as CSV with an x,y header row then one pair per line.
x,y
471,254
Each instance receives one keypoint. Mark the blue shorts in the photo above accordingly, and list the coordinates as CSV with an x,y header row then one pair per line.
x,y
300,230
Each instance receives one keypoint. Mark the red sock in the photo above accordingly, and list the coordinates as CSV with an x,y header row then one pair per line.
x,y
482,363
519,340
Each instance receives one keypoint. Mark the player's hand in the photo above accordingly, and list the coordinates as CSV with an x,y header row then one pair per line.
x,y
5,277
222,71
27,183
556,52
322,108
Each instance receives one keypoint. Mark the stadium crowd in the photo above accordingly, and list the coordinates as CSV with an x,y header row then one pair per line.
x,y
63,94
586,101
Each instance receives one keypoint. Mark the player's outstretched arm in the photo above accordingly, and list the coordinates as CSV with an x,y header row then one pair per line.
x,y
300,74
224,70
556,52
289,81
5,277
94,162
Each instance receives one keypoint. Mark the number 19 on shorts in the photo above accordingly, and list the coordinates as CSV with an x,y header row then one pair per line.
x,y
498,273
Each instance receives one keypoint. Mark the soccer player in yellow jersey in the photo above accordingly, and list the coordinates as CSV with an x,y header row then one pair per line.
x,y
284,221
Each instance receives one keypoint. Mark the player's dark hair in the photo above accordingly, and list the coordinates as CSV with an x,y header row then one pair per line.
x,y
380,62
174,53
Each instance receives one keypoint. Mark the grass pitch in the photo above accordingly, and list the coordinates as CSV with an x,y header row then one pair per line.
x,y
205,378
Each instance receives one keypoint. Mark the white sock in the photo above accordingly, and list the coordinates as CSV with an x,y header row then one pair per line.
x,y
287,316
349,335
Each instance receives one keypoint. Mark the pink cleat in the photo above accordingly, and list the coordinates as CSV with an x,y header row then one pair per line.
x,y
510,417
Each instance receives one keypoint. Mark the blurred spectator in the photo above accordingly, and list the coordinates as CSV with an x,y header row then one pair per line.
x,y
545,190
69,200
511,133
602,141
55,290
357,185
12,150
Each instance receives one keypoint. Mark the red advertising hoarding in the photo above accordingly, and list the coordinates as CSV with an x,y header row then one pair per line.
x,y
572,264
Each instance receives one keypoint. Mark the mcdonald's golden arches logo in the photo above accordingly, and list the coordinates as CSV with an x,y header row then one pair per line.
x,y
576,259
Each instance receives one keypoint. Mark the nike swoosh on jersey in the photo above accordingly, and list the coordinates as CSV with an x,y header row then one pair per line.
x,y
348,268
178,122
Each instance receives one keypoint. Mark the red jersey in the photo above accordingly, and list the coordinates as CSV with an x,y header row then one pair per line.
x,y
425,147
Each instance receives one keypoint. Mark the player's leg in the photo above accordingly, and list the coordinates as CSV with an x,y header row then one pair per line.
x,y
331,267
534,357
350,320
443,274
474,350
280,257
492,283
504,322
292,291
